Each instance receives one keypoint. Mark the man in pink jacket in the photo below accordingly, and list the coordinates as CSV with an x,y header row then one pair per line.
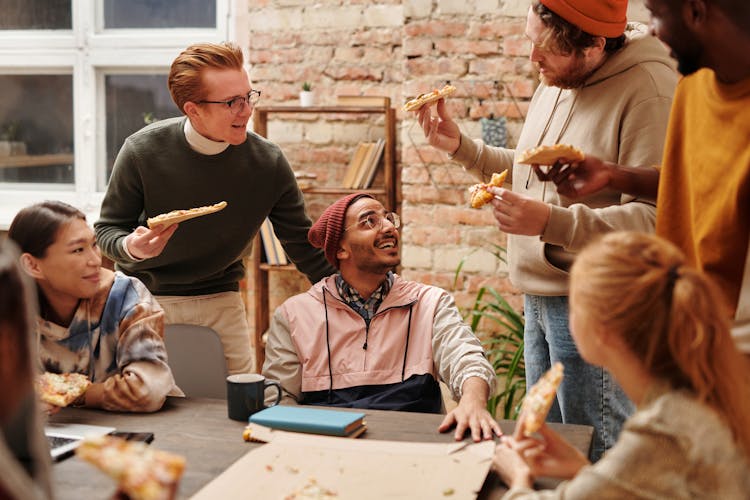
x,y
366,338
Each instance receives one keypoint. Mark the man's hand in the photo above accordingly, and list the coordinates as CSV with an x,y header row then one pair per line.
x,y
551,456
441,131
578,179
471,413
144,243
519,214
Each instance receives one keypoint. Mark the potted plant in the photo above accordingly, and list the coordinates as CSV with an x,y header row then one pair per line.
x,y
306,96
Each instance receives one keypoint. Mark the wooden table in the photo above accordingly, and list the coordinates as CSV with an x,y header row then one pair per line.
x,y
200,430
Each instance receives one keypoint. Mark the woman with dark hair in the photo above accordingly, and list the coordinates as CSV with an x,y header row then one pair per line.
x,y
24,457
655,324
91,320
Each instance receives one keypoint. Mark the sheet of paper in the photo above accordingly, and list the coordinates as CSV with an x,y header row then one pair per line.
x,y
348,468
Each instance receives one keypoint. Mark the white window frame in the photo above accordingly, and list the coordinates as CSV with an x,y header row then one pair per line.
x,y
89,53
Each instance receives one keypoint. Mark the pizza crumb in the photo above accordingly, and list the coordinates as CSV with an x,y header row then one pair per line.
x,y
448,492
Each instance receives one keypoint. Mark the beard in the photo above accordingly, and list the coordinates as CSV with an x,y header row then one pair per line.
x,y
686,63
571,77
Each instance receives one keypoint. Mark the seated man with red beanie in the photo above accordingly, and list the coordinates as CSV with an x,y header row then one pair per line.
x,y
366,338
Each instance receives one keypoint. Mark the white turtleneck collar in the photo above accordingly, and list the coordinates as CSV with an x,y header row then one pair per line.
x,y
200,144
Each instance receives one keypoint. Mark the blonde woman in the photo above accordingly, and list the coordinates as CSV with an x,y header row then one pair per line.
x,y
655,324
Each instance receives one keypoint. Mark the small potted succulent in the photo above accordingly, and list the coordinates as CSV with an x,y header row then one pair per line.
x,y
306,95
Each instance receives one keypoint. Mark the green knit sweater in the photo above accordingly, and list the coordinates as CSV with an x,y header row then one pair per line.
x,y
156,171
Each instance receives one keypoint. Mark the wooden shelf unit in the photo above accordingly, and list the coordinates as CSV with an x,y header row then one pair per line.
x,y
387,191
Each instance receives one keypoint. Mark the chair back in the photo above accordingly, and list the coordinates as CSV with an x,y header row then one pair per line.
x,y
196,357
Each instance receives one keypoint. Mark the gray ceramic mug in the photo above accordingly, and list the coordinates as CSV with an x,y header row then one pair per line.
x,y
246,394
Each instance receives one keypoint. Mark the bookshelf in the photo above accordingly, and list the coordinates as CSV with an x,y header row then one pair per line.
x,y
386,192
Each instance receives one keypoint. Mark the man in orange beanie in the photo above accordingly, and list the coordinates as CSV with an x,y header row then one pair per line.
x,y
366,338
606,88
704,181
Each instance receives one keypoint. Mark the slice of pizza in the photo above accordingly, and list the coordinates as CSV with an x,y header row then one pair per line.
x,y
479,194
538,401
61,389
427,98
547,155
176,216
142,472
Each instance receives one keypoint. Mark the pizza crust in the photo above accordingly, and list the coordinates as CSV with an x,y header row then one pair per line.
x,y
435,95
539,400
176,216
548,155
61,389
142,472
479,194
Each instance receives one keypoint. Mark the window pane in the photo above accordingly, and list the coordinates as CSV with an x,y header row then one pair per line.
x,y
159,14
134,101
36,128
35,15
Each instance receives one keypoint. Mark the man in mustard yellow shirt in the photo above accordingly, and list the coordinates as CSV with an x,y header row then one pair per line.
x,y
704,185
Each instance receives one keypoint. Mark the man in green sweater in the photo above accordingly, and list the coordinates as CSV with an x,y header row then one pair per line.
x,y
205,157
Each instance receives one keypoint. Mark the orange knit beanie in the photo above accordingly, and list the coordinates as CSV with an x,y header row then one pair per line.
x,y
605,18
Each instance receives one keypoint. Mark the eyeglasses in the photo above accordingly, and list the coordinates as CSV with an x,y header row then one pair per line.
x,y
375,221
235,104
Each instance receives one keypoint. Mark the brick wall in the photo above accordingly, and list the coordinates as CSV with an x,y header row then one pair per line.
x,y
400,49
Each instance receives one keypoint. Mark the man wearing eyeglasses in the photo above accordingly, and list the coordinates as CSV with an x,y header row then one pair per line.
x,y
367,338
199,159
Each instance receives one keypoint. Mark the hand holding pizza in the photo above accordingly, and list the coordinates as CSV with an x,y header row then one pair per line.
x,y
550,456
144,243
440,131
519,214
577,179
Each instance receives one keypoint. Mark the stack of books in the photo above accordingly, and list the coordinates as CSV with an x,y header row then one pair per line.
x,y
363,165
311,420
275,255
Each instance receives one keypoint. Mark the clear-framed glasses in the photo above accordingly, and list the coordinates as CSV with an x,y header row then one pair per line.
x,y
235,104
375,221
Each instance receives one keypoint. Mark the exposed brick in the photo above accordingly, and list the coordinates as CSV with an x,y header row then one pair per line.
x,y
383,15
417,8
453,46
516,46
416,257
417,46
435,28
518,8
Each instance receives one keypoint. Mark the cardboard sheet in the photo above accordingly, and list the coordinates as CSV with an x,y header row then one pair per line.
x,y
297,465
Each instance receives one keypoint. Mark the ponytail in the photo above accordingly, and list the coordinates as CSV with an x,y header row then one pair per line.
x,y
670,316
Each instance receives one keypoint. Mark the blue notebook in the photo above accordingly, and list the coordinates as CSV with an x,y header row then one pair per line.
x,y
311,420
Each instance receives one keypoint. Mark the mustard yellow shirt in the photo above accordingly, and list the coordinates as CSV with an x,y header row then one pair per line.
x,y
703,204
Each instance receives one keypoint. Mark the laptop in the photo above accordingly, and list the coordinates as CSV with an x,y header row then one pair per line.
x,y
64,438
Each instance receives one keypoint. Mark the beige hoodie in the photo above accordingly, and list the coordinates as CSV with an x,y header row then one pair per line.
x,y
619,115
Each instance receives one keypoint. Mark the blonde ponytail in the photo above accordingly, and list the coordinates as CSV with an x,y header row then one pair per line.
x,y
670,315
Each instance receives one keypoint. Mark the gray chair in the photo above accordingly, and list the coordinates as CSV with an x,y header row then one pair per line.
x,y
196,358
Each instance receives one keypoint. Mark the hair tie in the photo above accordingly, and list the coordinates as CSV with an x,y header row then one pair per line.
x,y
672,276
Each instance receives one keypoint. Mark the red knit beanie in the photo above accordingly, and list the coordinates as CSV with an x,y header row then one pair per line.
x,y
327,231
605,18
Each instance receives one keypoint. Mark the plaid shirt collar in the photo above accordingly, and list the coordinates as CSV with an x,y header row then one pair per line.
x,y
365,308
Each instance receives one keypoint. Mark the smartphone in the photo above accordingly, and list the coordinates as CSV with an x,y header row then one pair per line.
x,y
145,437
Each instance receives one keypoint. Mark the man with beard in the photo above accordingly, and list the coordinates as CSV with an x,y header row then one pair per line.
x,y
366,338
704,185
607,90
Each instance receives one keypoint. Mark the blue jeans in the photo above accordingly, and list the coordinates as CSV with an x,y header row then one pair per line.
x,y
588,394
